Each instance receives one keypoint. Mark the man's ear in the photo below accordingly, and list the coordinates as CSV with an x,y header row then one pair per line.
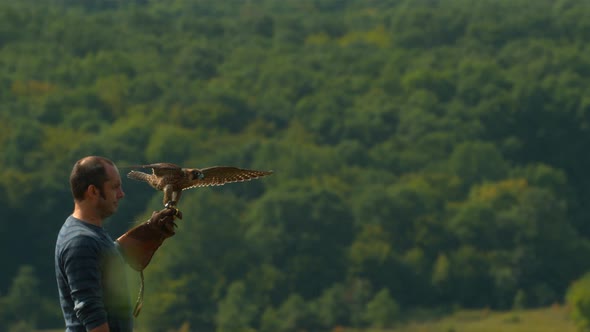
x,y
92,191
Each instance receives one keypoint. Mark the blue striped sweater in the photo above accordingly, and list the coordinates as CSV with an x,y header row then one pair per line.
x,y
91,279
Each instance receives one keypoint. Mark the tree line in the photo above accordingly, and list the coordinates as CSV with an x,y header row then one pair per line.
x,y
428,155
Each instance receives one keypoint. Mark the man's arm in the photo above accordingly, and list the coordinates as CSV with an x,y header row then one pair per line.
x,y
82,268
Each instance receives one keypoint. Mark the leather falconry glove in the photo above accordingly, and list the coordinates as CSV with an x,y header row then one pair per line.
x,y
140,243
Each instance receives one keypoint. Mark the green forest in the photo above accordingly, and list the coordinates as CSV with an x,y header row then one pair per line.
x,y
428,155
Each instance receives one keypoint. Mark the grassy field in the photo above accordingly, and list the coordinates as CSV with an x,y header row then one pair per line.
x,y
553,319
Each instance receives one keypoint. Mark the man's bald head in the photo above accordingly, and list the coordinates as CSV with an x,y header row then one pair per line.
x,y
88,171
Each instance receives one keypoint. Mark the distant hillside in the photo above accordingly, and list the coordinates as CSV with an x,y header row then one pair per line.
x,y
430,152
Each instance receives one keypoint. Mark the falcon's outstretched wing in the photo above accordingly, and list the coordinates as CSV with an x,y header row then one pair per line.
x,y
220,175
160,169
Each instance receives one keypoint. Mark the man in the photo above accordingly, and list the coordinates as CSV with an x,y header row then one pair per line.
x,y
89,265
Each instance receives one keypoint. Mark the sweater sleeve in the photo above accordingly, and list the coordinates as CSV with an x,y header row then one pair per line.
x,y
82,268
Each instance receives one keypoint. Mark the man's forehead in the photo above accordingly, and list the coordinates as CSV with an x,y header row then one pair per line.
x,y
112,172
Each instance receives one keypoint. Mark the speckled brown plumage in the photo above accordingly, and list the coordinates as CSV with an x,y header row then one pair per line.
x,y
173,179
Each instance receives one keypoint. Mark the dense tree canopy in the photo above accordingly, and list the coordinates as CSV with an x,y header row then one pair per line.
x,y
427,154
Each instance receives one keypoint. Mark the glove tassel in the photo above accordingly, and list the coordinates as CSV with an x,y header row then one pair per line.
x,y
139,302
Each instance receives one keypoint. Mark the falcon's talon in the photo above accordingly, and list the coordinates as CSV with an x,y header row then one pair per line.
x,y
172,206
178,214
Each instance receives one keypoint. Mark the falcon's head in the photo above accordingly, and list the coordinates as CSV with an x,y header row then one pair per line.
x,y
195,174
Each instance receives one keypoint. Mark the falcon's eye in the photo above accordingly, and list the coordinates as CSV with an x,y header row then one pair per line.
x,y
198,175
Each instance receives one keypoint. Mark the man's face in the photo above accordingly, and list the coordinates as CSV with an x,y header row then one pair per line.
x,y
111,193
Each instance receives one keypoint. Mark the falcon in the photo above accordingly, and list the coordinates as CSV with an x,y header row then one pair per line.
x,y
173,179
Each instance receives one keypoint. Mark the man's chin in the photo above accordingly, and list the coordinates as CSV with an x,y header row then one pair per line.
x,y
107,214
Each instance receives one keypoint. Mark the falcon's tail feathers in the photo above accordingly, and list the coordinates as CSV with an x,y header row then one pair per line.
x,y
139,176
